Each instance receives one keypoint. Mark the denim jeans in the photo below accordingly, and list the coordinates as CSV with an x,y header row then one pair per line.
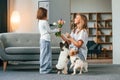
x,y
45,56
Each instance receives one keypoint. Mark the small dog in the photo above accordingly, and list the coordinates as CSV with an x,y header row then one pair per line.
x,y
63,58
77,63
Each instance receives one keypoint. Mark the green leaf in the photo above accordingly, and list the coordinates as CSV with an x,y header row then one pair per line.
x,y
58,34
60,26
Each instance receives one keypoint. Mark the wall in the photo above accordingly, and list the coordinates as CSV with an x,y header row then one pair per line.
x,y
60,9
116,31
91,6
28,11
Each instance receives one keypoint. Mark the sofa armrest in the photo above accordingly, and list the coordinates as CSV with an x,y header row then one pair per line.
x,y
1,44
2,50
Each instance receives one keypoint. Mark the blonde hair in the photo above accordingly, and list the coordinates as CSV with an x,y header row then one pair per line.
x,y
84,18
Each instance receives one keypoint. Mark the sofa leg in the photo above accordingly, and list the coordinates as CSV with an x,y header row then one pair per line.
x,y
4,65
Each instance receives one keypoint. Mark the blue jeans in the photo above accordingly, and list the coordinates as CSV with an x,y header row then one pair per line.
x,y
45,57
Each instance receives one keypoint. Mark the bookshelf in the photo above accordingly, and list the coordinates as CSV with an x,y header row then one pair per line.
x,y
99,30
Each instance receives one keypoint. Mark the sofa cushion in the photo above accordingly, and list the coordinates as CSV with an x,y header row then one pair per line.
x,y
20,39
55,49
22,50
27,50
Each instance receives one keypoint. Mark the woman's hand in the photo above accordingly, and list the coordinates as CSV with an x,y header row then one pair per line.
x,y
68,36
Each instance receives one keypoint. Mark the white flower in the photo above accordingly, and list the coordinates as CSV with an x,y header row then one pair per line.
x,y
54,23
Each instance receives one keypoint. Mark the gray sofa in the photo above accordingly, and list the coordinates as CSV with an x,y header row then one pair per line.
x,y
23,47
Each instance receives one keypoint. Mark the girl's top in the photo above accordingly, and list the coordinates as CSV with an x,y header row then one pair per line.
x,y
45,30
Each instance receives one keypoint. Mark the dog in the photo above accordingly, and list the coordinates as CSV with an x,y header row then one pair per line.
x,y
63,58
77,63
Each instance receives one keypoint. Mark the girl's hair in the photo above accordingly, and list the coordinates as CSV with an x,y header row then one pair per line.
x,y
84,18
41,13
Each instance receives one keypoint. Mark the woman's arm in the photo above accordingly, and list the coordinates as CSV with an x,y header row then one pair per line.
x,y
65,39
76,43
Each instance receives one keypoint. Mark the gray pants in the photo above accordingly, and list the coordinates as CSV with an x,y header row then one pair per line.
x,y
45,57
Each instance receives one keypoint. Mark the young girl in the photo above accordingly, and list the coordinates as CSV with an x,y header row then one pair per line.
x,y
45,47
79,36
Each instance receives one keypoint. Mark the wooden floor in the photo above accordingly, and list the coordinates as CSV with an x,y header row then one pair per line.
x,y
99,61
105,58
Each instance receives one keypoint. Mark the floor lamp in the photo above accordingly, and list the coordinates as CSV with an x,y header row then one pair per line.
x,y
15,21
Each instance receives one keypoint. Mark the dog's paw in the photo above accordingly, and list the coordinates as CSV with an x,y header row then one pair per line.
x,y
80,73
85,70
73,74
58,72
65,73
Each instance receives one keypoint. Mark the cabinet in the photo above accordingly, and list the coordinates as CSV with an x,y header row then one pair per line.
x,y
99,30
3,16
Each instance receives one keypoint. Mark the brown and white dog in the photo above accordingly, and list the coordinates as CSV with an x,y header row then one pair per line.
x,y
63,58
77,63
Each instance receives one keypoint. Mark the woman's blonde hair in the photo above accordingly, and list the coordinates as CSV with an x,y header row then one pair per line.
x,y
41,13
84,18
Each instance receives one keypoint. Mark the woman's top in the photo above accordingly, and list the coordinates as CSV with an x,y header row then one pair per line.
x,y
82,35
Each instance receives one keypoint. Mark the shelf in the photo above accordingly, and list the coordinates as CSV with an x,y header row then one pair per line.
x,y
105,20
105,42
99,35
105,35
99,28
104,27
106,50
91,35
91,20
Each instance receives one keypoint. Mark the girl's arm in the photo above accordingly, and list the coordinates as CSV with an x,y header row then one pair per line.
x,y
51,30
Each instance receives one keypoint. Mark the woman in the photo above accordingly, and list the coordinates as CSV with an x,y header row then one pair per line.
x,y
79,36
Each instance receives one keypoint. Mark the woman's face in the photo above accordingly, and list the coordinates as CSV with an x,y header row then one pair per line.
x,y
78,20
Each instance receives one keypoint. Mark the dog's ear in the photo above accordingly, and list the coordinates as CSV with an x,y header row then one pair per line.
x,y
77,51
66,44
61,46
68,57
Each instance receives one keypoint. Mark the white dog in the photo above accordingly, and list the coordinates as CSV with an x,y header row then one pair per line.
x,y
77,63
63,58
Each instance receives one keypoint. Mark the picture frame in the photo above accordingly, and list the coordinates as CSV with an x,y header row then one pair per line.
x,y
44,4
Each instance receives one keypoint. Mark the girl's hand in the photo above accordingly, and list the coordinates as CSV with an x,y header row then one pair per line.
x,y
59,29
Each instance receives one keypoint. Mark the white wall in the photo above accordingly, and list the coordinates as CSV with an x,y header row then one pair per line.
x,y
116,31
91,5
28,11
60,9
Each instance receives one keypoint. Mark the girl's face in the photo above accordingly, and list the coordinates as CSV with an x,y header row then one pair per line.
x,y
78,20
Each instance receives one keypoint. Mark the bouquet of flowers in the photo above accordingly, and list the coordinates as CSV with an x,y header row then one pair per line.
x,y
59,24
